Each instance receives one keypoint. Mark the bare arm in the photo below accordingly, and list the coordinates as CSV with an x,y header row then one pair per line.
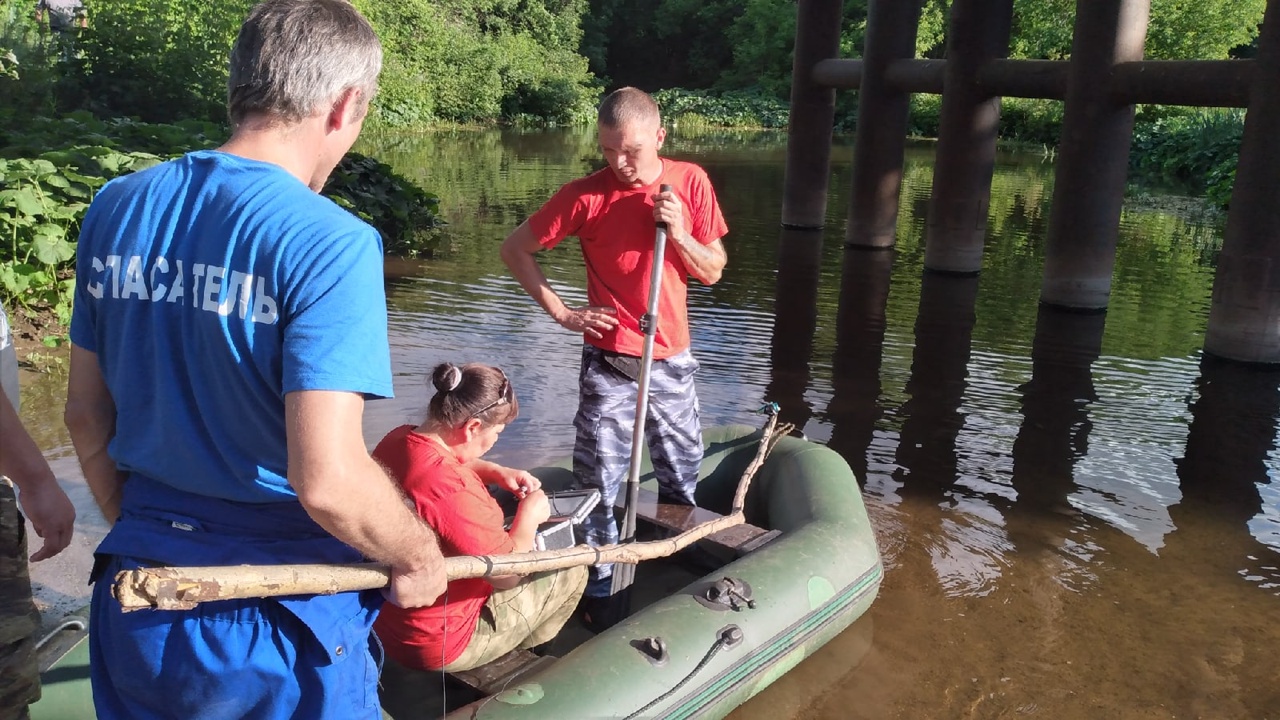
x,y
518,252
39,496
348,494
90,417
705,262
516,482
534,509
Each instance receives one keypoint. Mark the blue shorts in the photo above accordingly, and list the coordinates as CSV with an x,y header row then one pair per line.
x,y
305,657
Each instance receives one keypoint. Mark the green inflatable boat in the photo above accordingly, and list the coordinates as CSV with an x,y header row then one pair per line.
x,y
709,628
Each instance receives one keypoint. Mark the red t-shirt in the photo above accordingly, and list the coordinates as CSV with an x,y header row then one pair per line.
x,y
614,225
455,503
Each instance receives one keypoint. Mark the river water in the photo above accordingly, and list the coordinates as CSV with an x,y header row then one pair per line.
x,y
1076,511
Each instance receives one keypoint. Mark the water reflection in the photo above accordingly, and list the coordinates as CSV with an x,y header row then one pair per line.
x,y
795,319
1230,444
854,411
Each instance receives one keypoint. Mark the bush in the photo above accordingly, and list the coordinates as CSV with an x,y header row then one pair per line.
x,y
452,62
753,108
158,60
461,61
1193,149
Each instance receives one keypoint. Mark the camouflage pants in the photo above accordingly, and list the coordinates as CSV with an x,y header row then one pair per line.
x,y
19,618
524,616
604,424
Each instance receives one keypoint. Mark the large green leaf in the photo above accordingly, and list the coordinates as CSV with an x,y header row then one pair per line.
x,y
23,199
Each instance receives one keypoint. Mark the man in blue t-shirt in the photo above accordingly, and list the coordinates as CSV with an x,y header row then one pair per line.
x,y
229,324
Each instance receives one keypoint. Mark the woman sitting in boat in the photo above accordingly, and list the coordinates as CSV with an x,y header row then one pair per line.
x,y
438,464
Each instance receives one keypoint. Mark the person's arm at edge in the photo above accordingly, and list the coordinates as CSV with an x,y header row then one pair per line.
x,y
518,252
90,417
349,494
41,499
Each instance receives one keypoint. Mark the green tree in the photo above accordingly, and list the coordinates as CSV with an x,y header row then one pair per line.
x,y
1207,29
452,60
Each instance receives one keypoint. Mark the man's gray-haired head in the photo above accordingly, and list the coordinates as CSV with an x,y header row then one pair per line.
x,y
628,105
293,58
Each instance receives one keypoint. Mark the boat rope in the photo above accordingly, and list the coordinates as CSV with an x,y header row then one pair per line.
x,y
722,640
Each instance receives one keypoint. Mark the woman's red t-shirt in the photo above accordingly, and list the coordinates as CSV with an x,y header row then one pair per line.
x,y
453,500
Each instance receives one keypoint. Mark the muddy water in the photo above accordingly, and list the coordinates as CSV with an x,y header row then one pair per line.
x,y
1077,513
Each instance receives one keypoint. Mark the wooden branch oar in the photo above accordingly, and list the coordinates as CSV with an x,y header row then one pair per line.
x,y
182,588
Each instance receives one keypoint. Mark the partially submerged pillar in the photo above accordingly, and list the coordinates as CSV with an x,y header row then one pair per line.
x,y
1093,156
813,109
882,125
970,119
1244,317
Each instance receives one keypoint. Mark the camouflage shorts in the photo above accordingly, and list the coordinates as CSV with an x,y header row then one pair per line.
x,y
604,423
19,619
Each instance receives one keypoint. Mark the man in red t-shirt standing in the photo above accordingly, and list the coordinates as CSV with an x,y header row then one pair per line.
x,y
613,213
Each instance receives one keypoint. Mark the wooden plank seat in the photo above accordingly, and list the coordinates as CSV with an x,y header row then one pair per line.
x,y
728,544
503,672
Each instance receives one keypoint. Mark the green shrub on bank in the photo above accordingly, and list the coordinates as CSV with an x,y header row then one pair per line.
x,y
1194,150
157,60
733,108
1022,120
464,61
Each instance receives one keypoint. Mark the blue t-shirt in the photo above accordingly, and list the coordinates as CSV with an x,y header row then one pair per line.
x,y
209,287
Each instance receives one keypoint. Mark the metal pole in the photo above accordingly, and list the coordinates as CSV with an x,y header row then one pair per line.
x,y
624,575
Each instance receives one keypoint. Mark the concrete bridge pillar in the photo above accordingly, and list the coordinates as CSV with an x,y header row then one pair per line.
x,y
813,109
979,32
882,125
1244,317
1093,156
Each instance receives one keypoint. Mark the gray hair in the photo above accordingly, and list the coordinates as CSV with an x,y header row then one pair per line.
x,y
293,58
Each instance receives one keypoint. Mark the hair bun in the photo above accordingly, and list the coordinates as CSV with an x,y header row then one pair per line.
x,y
446,377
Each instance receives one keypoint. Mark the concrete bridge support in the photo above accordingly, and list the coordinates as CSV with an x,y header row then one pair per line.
x,y
1244,318
813,109
1093,156
882,125
966,154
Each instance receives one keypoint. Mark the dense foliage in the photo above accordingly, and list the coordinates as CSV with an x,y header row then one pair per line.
x,y
724,44
1192,150
451,60
1205,29
157,60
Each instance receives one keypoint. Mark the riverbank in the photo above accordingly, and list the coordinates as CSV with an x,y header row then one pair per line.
x,y
28,329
